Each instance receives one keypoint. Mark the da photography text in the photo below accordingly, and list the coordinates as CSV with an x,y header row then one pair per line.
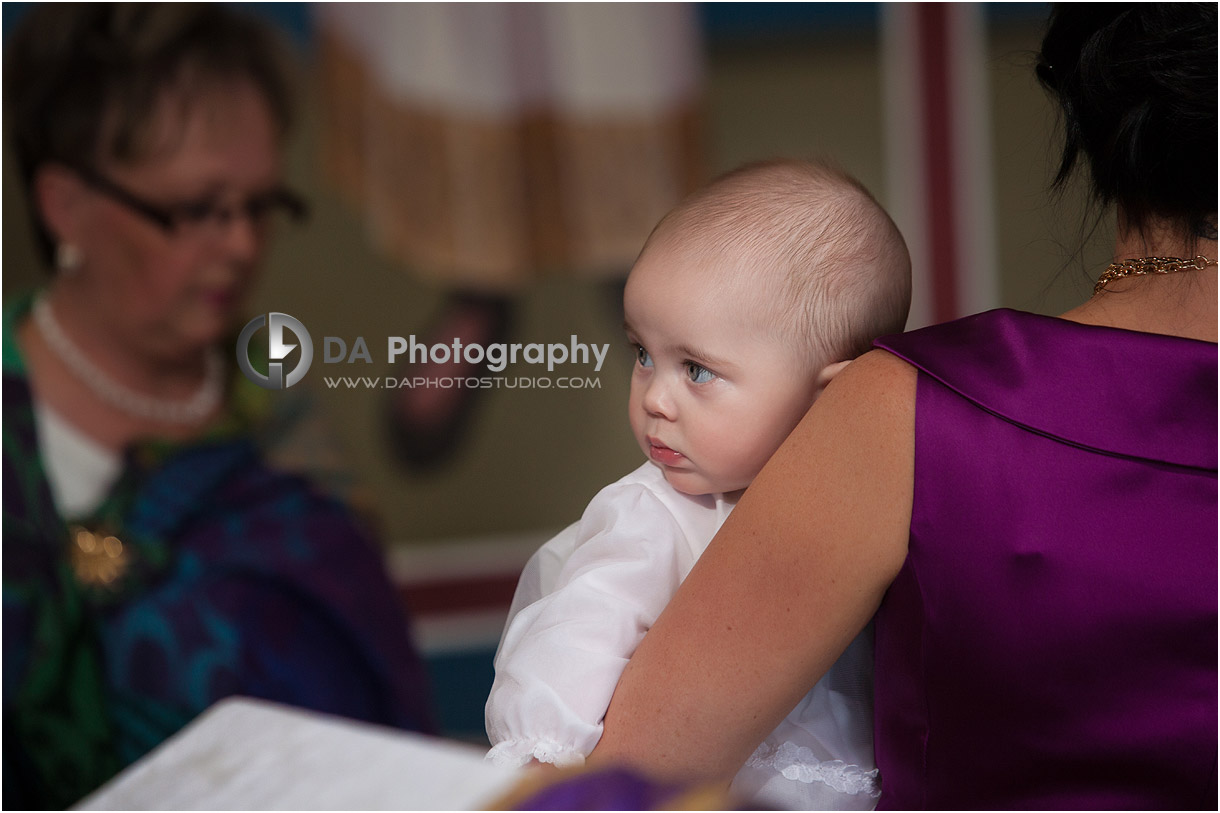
x,y
285,333
498,356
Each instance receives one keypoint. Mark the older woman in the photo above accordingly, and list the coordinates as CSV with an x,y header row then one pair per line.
x,y
1027,504
153,561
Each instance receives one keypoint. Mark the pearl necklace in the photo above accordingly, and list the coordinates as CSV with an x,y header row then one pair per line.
x,y
136,404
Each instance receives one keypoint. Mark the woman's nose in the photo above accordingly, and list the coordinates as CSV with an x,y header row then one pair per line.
x,y
242,237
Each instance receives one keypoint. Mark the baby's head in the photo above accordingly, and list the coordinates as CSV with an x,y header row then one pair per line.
x,y
745,301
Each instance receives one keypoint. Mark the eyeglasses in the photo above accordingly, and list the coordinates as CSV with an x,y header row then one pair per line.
x,y
199,217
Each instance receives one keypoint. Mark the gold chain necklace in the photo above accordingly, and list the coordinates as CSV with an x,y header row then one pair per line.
x,y
1139,266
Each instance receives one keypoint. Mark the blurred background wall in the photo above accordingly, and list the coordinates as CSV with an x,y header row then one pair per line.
x,y
796,80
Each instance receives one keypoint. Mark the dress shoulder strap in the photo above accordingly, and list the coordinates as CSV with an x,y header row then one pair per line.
x,y
1121,392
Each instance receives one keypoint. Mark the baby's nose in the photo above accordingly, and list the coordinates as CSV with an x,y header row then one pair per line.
x,y
658,401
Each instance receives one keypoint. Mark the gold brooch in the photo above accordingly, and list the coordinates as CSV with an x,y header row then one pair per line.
x,y
98,559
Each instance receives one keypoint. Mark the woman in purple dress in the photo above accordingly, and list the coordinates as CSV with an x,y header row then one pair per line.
x,y
1026,504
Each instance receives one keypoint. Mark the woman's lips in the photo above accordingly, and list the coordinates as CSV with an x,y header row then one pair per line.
x,y
222,299
662,454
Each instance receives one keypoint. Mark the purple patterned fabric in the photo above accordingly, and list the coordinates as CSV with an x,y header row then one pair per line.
x,y
241,580
1051,640
608,789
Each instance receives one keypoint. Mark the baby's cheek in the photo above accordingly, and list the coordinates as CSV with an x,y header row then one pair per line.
x,y
745,466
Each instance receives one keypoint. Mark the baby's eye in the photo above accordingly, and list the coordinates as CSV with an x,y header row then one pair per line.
x,y
641,355
698,373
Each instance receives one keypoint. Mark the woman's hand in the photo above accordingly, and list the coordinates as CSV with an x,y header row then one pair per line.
x,y
793,576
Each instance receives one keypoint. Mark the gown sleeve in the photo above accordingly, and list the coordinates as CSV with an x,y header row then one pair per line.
x,y
583,604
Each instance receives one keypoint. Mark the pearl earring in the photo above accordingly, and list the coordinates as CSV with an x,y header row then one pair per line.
x,y
68,258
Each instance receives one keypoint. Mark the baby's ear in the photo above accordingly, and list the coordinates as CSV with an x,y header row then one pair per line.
x,y
827,374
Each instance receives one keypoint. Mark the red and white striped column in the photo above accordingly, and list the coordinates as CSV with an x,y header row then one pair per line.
x,y
938,155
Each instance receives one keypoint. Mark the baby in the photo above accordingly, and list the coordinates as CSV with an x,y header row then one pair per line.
x,y
747,299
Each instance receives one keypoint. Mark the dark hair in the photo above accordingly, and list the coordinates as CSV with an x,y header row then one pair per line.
x,y
83,81
1136,83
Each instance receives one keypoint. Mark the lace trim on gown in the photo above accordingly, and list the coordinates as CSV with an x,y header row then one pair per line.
x,y
800,765
518,753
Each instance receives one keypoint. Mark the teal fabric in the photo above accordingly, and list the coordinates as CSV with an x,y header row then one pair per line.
x,y
243,580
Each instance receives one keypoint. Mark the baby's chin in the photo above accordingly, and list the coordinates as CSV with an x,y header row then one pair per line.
x,y
694,484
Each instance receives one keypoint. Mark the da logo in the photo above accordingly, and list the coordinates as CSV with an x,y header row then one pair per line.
x,y
277,351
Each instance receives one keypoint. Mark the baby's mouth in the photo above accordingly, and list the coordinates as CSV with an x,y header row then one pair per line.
x,y
662,454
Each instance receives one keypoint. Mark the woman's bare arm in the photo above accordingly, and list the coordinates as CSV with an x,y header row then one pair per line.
x,y
796,572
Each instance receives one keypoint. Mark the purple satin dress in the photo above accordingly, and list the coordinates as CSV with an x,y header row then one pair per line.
x,y
1050,642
